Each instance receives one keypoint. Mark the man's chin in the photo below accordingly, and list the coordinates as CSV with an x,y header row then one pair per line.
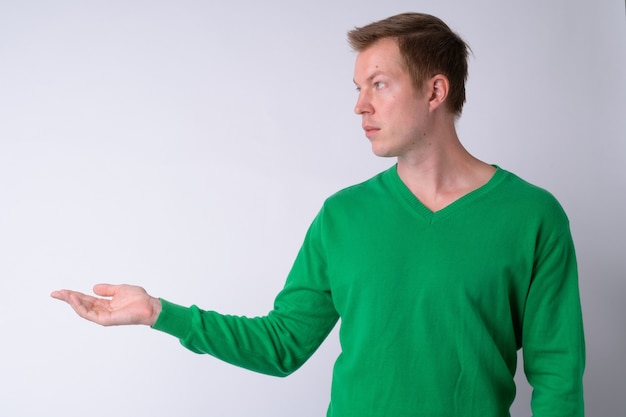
x,y
382,152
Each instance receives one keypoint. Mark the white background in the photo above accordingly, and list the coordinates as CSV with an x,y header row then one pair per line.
x,y
186,146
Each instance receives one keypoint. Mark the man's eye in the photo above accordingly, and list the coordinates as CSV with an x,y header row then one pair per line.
x,y
378,85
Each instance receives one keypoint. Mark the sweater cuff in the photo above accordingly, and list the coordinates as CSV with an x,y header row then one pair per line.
x,y
174,319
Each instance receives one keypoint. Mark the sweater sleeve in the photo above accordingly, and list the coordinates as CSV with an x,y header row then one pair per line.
x,y
553,340
276,344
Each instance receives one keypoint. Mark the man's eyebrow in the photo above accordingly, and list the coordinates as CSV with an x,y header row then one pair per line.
x,y
370,78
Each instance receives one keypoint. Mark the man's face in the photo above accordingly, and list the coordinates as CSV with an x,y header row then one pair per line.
x,y
393,113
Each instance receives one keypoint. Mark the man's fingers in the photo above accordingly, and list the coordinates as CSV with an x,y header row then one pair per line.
x,y
59,295
63,295
88,307
105,290
76,302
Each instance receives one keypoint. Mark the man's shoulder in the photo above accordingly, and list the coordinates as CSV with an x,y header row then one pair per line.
x,y
523,188
368,190
528,197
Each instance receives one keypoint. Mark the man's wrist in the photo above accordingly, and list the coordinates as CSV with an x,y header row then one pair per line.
x,y
156,308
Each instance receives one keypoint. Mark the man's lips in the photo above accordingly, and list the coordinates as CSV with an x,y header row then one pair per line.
x,y
370,130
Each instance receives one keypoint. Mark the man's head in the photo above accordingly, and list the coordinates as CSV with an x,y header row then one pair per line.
x,y
428,47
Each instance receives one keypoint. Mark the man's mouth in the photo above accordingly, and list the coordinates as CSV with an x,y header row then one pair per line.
x,y
370,130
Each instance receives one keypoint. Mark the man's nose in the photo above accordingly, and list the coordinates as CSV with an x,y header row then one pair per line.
x,y
363,105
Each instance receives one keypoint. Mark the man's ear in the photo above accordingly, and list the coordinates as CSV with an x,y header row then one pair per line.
x,y
439,86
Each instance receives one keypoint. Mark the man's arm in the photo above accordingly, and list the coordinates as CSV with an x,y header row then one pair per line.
x,y
553,339
275,344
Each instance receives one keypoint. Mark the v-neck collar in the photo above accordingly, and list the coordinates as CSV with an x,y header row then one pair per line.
x,y
432,216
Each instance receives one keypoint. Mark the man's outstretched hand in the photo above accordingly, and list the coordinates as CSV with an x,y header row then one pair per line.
x,y
124,304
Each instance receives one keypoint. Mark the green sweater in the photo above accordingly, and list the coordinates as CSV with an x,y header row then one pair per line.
x,y
433,306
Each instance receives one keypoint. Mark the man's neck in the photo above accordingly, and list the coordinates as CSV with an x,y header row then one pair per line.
x,y
443,172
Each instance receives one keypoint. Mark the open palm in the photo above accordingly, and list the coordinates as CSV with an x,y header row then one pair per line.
x,y
124,304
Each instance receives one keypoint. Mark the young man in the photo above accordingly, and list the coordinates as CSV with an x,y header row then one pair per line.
x,y
440,267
